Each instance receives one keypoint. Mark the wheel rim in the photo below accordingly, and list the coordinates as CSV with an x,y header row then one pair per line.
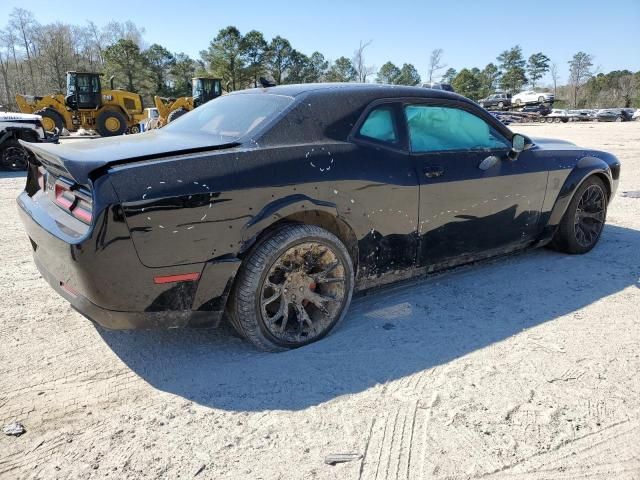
x,y
14,158
112,124
590,216
48,124
304,293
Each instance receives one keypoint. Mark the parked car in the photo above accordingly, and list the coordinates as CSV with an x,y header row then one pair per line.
x,y
15,127
542,109
531,96
613,115
557,116
497,100
277,204
438,86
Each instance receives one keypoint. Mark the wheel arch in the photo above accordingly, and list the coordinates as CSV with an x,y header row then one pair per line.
x,y
586,167
304,210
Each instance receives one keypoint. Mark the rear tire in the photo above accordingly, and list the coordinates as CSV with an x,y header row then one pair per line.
x,y
292,289
583,222
176,114
13,156
51,120
110,123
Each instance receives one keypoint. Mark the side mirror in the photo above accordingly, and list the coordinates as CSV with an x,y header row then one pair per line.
x,y
517,146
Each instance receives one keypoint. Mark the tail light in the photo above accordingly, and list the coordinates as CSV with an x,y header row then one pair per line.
x,y
74,199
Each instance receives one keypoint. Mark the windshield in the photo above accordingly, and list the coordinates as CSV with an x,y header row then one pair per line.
x,y
231,117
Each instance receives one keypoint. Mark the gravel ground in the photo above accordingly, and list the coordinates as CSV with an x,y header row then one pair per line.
x,y
524,367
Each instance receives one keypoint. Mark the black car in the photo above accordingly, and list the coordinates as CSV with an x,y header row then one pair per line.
x,y
277,204
613,115
541,109
497,100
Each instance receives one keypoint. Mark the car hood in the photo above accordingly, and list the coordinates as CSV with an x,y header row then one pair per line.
x,y
12,117
553,143
82,157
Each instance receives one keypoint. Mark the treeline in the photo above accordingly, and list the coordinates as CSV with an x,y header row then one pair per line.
x,y
35,57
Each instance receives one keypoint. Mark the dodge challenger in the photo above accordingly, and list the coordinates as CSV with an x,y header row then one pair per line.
x,y
274,205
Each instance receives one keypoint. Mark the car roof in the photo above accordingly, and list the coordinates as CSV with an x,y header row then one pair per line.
x,y
379,90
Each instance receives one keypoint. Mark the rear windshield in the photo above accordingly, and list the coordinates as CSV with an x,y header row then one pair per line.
x,y
231,117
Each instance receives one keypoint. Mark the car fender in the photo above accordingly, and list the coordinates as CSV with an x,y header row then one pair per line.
x,y
585,168
281,208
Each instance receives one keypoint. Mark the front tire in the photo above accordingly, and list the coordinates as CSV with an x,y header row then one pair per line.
x,y
176,114
583,222
110,123
292,289
51,120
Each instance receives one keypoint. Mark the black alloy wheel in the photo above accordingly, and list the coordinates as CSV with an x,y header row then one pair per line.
x,y
590,216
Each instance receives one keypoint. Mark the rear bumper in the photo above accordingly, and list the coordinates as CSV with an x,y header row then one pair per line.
x,y
100,274
119,320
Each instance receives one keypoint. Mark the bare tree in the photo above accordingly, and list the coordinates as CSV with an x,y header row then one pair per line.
x,y
553,69
362,69
435,62
579,72
627,86
23,22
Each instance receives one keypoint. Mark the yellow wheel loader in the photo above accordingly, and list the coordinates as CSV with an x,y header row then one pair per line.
x,y
203,89
86,105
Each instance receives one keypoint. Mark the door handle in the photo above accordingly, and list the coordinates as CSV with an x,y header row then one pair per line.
x,y
432,172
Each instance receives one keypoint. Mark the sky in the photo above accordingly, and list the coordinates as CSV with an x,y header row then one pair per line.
x,y
471,33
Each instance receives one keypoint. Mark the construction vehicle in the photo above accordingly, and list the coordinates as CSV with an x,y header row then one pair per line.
x,y
86,105
203,89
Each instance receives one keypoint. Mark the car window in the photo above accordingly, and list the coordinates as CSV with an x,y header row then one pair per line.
x,y
434,129
231,117
380,125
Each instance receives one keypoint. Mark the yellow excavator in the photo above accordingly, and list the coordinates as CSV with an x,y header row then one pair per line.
x,y
203,89
86,105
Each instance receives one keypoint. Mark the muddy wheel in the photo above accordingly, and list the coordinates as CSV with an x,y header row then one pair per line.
x,y
51,120
557,119
582,224
501,105
176,114
110,123
13,156
292,289
541,99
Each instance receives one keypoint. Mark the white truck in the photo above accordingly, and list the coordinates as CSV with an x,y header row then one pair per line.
x,y
15,127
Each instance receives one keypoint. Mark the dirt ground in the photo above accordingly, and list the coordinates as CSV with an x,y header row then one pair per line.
x,y
525,367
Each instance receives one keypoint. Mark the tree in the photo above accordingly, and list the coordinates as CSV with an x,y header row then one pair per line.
x,y
24,23
553,69
160,61
316,68
408,75
488,80
124,60
537,66
182,71
254,48
359,63
449,75
298,66
225,57
280,58
579,72
468,83
435,62
341,71
388,73
512,65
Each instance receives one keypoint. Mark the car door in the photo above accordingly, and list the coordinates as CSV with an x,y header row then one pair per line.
x,y
384,195
474,198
